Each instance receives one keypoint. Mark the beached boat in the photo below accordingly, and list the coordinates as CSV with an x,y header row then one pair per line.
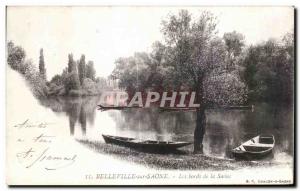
x,y
255,148
145,145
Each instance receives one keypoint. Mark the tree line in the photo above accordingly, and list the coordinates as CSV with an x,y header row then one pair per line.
x,y
223,71
191,56
78,78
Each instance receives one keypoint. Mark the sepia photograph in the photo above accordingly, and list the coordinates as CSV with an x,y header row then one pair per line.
x,y
150,95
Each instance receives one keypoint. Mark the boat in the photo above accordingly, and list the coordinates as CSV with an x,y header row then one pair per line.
x,y
145,145
233,107
102,107
177,108
245,107
256,148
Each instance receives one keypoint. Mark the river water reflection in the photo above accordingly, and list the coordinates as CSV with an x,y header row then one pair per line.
x,y
225,128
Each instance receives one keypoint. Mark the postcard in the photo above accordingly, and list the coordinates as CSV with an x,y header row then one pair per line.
x,y
150,95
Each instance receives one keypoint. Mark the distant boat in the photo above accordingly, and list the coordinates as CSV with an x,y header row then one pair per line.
x,y
145,145
242,107
234,107
177,108
255,148
102,107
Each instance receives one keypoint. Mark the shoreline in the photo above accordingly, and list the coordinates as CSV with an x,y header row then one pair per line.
x,y
184,160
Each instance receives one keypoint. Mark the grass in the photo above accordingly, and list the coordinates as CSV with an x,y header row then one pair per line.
x,y
183,161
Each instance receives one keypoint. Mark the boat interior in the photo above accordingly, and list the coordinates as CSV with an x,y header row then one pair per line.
x,y
142,141
257,144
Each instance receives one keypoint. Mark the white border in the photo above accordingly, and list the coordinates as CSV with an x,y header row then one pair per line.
x,y
4,3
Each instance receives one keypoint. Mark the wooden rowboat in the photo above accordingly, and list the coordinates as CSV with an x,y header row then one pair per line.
x,y
255,148
145,145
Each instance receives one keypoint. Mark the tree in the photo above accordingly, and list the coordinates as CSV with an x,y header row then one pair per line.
x,y
57,80
90,86
16,59
72,82
42,68
81,69
142,70
132,71
269,70
15,56
71,64
90,70
234,42
101,83
192,58
196,58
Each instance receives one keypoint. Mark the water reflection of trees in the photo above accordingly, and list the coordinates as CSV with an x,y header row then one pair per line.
x,y
225,128
271,119
222,133
79,109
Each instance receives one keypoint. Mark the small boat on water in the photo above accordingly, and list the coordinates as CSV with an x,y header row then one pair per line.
x,y
245,107
255,148
177,108
102,107
145,145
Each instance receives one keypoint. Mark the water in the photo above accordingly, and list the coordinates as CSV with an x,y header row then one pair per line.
x,y
226,129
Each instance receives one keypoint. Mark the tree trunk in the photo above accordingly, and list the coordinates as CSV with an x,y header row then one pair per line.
x,y
200,119
199,130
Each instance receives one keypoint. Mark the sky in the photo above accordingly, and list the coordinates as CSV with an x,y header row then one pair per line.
x,y
104,34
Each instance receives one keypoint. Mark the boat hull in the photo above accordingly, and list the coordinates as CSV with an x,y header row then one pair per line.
x,y
258,147
153,146
251,156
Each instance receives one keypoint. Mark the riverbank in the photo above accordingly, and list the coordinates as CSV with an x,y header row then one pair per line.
x,y
183,161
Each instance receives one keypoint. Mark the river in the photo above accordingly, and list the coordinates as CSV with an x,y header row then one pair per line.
x,y
225,130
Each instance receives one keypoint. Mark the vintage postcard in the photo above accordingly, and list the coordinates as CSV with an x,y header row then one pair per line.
x,y
157,95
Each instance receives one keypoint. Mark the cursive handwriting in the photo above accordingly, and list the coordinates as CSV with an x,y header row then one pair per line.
x,y
28,124
50,161
43,138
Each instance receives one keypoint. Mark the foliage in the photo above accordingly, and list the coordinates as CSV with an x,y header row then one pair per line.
x,y
101,83
67,83
16,59
71,64
16,56
193,57
81,69
269,70
57,80
42,68
72,82
90,71
90,86
234,43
